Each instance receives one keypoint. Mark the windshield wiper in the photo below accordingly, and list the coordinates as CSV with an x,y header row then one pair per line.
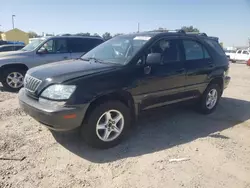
x,y
92,58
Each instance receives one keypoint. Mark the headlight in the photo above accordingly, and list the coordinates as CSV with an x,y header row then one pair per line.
x,y
58,92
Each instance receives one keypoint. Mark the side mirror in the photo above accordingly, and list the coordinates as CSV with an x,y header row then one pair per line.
x,y
153,58
42,51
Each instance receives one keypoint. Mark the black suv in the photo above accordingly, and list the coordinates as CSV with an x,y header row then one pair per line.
x,y
106,89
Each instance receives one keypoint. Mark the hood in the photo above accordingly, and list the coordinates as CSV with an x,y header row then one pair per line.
x,y
64,70
13,54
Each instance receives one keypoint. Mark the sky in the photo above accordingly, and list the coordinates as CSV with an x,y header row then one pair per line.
x,y
226,19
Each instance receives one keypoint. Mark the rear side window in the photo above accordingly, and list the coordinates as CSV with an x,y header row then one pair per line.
x,y
194,50
245,52
215,45
80,45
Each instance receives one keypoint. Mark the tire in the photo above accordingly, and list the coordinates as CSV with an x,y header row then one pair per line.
x,y
10,72
203,107
94,136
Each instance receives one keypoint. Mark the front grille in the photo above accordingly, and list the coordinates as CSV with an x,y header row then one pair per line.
x,y
31,83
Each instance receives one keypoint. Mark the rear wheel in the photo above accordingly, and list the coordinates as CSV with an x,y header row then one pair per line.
x,y
106,125
13,79
210,99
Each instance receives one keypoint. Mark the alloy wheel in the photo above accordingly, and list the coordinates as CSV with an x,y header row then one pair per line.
x,y
110,125
212,98
15,80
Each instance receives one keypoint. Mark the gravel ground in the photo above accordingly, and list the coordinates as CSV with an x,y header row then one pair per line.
x,y
216,148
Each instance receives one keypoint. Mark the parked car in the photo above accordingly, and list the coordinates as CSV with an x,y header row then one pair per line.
x,y
104,91
230,54
241,55
13,65
11,47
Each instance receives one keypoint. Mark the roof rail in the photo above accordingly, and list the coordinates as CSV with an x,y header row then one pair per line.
x,y
197,33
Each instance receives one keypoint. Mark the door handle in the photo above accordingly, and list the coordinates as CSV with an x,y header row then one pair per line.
x,y
211,65
180,70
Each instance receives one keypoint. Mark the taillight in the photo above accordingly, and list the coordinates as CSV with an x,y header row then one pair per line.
x,y
248,62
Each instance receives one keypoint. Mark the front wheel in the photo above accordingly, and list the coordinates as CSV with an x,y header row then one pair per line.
x,y
210,99
13,79
106,125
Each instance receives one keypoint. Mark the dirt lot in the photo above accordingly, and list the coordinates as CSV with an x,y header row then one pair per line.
x,y
217,148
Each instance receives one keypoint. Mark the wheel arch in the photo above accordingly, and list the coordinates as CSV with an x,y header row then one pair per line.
x,y
15,65
123,96
219,81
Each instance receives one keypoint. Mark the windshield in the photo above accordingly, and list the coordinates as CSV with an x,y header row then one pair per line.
x,y
118,49
31,46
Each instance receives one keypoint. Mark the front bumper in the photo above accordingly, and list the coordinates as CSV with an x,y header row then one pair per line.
x,y
53,118
226,81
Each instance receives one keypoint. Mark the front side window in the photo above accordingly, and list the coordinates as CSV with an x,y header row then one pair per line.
x,y
117,50
54,46
239,52
193,50
169,50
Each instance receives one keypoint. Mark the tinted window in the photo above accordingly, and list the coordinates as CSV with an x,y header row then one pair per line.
x,y
215,45
193,50
83,44
245,52
239,52
7,48
206,54
18,47
169,50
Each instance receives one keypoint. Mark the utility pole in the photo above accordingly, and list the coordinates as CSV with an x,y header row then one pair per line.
x,y
13,24
138,28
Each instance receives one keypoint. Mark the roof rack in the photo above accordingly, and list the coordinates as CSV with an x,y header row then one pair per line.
x,y
181,31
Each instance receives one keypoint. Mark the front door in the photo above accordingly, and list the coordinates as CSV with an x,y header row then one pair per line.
x,y
52,51
162,83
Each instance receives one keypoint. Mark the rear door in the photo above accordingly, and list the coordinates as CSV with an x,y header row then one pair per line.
x,y
52,50
198,65
80,46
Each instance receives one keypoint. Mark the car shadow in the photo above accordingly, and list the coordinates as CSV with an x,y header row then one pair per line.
x,y
163,128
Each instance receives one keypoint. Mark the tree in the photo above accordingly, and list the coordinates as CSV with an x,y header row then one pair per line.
x,y
106,36
83,34
117,34
96,35
32,34
190,29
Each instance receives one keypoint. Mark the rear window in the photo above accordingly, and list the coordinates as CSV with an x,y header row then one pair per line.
x,y
215,45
